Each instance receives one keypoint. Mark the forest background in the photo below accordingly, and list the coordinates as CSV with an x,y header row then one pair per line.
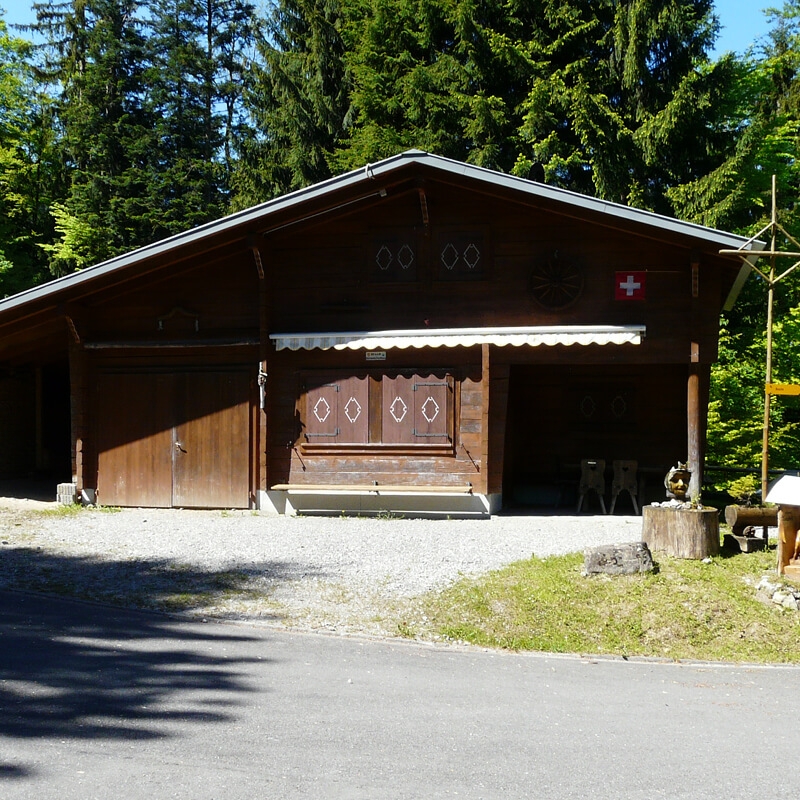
x,y
128,121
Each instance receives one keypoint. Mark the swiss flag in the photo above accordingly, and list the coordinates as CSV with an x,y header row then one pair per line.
x,y
630,285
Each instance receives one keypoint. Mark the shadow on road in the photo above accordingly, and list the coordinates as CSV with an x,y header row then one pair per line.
x,y
77,670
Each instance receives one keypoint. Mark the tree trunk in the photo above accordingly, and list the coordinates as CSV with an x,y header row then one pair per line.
x,y
683,533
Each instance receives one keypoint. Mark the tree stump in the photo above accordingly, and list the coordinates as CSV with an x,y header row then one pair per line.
x,y
681,532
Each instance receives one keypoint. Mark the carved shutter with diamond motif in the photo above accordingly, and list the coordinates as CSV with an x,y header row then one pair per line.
x,y
337,412
416,409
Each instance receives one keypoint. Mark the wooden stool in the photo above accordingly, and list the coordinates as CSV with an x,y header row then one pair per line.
x,y
624,481
592,479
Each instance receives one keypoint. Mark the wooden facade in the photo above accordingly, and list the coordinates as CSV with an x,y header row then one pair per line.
x,y
421,335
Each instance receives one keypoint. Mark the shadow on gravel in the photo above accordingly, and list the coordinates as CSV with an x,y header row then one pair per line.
x,y
156,584
75,670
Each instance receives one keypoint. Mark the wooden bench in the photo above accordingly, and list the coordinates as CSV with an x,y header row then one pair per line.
x,y
368,488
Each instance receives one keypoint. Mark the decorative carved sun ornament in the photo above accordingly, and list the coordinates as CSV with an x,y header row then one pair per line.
x,y
556,283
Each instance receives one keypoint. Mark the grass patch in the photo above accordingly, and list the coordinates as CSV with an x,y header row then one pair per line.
x,y
686,610
71,510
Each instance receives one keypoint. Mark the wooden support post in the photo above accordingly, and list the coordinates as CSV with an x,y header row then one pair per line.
x,y
788,519
482,482
261,459
695,427
78,415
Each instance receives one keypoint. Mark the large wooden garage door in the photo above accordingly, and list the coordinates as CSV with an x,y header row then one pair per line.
x,y
178,439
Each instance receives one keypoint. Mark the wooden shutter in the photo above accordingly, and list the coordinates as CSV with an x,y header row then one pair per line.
x,y
397,409
337,411
432,410
417,409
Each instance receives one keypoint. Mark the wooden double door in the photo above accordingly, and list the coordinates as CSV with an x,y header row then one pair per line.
x,y
174,439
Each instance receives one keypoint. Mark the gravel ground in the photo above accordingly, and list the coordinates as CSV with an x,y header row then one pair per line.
x,y
345,575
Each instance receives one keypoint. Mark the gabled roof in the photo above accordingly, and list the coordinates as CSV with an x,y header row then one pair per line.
x,y
369,180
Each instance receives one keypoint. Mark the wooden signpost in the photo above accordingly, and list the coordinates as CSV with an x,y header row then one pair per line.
x,y
772,279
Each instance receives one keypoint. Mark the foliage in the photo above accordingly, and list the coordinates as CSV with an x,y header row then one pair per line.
x,y
764,121
297,95
23,165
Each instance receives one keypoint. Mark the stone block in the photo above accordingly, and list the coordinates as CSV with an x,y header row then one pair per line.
x,y
66,494
618,559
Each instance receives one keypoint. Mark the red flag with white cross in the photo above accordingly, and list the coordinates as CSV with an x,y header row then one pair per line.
x,y
630,285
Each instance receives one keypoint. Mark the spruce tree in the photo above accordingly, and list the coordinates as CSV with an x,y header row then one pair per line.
x,y
19,265
298,96
93,53
197,51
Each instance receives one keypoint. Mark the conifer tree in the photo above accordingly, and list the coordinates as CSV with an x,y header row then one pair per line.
x,y
93,53
297,96
18,263
197,51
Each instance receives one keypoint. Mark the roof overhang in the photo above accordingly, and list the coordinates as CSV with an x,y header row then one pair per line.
x,y
528,336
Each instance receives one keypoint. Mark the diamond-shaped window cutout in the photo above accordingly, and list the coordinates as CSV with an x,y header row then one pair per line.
x,y
353,409
383,258
588,407
430,409
398,409
449,256
619,406
322,409
472,256
405,256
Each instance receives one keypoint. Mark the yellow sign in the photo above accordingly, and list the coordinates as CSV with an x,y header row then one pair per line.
x,y
783,388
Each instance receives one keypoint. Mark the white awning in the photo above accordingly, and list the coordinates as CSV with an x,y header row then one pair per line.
x,y
531,336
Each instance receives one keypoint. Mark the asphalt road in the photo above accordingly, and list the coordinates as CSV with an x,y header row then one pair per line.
x,y
101,703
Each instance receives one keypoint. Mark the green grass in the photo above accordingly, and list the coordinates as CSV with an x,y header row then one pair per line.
x,y
685,610
73,509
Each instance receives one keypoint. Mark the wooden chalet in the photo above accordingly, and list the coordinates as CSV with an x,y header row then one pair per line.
x,y
418,335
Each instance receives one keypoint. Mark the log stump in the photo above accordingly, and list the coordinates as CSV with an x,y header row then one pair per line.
x,y
741,517
681,532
